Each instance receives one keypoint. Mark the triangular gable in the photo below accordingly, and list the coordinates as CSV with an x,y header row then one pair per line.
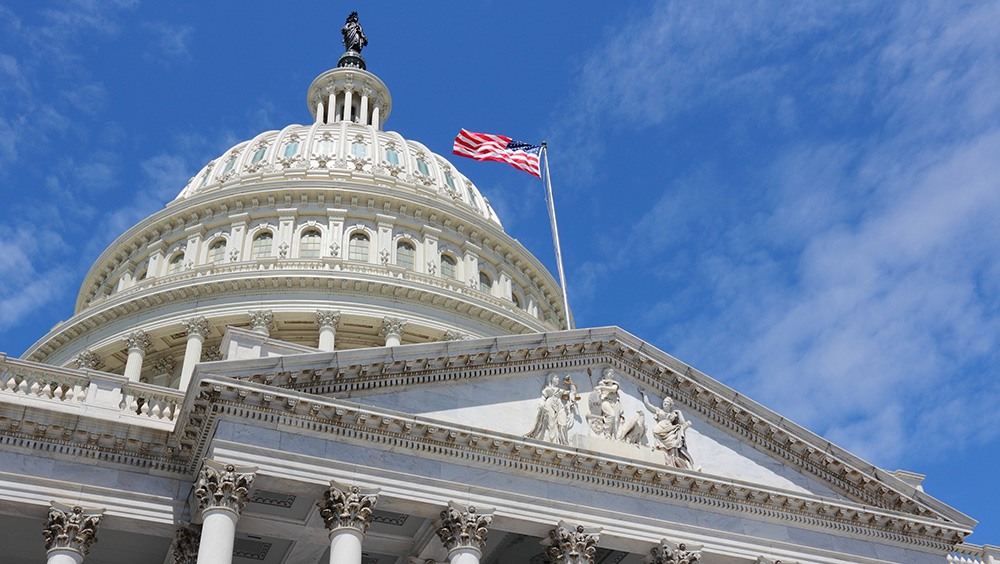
x,y
732,437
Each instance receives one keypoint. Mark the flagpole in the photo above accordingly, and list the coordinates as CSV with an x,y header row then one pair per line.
x,y
555,234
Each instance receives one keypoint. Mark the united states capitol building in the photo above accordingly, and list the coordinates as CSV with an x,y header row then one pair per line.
x,y
327,349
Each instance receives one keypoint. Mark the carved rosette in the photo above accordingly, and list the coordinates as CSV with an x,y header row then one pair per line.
x,y
223,486
71,528
464,527
261,321
327,319
185,546
138,341
392,327
674,553
569,544
347,507
196,326
88,360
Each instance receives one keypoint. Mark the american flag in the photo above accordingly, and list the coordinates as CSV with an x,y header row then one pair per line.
x,y
486,147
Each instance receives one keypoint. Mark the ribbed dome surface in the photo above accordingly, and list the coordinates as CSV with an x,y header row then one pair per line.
x,y
339,150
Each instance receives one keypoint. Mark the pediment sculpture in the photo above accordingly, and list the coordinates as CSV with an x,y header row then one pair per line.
x,y
559,410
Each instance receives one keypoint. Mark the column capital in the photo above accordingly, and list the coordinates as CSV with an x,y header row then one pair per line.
x,y
345,506
669,552
71,527
327,318
88,360
464,526
196,326
137,341
223,486
450,335
392,327
185,545
261,321
572,544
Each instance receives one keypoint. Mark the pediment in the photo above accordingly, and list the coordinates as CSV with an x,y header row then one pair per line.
x,y
497,387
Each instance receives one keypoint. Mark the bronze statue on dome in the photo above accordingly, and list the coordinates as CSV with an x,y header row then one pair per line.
x,y
354,37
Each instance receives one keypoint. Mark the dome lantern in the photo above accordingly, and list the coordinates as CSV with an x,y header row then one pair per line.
x,y
349,92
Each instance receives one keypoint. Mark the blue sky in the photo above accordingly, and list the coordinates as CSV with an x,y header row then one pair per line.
x,y
800,200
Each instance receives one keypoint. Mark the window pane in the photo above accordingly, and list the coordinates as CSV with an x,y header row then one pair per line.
x,y
291,149
257,156
359,149
451,181
217,252
358,247
404,255
422,167
447,267
229,166
176,262
309,244
325,147
262,245
392,156
484,282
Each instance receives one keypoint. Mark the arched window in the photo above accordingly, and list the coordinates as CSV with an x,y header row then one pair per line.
x,y
176,263
357,248
405,253
447,266
262,244
485,284
140,273
309,243
217,252
516,299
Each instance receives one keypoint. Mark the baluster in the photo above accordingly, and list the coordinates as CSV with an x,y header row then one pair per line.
x,y
144,410
46,391
35,387
11,381
154,411
168,411
22,384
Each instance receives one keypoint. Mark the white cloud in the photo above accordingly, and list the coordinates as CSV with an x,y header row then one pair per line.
x,y
171,41
854,290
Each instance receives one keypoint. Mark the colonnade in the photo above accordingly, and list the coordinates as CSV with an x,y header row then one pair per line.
x,y
138,343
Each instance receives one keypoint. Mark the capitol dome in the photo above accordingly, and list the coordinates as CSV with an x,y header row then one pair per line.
x,y
334,235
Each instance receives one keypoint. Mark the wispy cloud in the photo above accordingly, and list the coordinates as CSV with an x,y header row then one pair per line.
x,y
844,260
170,42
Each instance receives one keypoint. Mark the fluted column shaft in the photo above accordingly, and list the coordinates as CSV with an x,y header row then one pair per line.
x,y
221,491
136,342
196,329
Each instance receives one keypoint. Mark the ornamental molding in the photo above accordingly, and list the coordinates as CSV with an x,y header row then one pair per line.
x,y
223,486
137,341
669,552
392,327
572,544
347,507
196,326
464,526
88,360
185,544
328,319
71,527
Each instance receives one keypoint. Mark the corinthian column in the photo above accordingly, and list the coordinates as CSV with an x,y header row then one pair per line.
x,y
327,321
185,545
346,512
69,532
462,530
222,493
568,544
392,330
137,343
261,321
196,329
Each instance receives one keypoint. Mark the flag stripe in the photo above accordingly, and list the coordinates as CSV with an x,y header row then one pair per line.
x,y
488,147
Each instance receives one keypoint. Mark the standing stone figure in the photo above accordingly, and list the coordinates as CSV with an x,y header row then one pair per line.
x,y
354,36
670,432
605,406
556,411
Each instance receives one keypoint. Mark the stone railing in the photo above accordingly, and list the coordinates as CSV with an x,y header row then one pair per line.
x,y
974,554
325,264
87,392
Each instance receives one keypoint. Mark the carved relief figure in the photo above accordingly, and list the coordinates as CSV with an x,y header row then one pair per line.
x,y
670,433
556,411
606,416
354,36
